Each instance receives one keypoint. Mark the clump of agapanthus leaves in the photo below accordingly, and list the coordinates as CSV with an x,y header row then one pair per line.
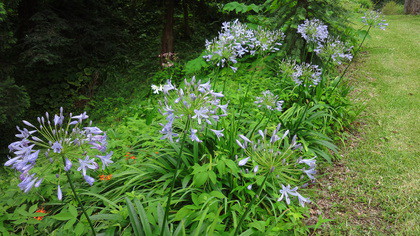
x,y
313,31
277,159
303,74
236,40
195,106
57,145
374,19
333,50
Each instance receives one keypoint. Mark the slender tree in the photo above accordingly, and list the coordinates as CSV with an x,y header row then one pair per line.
x,y
168,30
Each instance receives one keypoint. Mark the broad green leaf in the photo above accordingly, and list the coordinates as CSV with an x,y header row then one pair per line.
x,y
143,217
217,194
200,178
63,215
73,210
259,225
134,220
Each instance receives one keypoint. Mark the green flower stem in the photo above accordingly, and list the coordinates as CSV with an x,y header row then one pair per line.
x,y
77,198
251,204
348,65
245,97
178,163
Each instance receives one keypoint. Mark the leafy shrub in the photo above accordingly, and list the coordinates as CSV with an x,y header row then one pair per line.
x,y
14,103
393,8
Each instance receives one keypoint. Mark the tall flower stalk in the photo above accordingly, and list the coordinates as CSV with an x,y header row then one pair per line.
x,y
56,147
192,109
277,159
372,19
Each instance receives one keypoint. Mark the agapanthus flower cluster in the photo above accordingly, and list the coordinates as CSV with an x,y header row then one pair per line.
x,y
285,191
195,103
303,74
42,148
334,49
236,40
313,31
269,101
266,40
374,19
278,156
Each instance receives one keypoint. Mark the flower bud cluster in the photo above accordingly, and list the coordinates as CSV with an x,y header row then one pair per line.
x,y
236,40
374,19
269,101
195,103
277,156
303,74
313,31
55,139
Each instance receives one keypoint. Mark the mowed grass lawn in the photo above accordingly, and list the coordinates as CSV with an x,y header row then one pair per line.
x,y
375,188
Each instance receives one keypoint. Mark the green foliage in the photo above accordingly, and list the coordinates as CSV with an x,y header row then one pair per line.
x,y
210,194
242,7
14,103
392,8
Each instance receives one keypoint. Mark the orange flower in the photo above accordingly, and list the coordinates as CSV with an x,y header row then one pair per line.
x,y
105,177
130,157
40,210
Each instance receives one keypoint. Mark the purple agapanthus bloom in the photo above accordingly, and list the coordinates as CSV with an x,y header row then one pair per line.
x,y
93,130
218,133
59,193
236,40
89,179
243,161
106,160
87,163
334,50
68,165
313,30
57,144
194,102
286,191
269,101
56,147
310,173
374,19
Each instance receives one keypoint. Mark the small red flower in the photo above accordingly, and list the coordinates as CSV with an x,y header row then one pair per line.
x,y
40,210
105,177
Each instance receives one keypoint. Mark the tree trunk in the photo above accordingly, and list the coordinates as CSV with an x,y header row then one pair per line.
x,y
187,30
168,31
412,7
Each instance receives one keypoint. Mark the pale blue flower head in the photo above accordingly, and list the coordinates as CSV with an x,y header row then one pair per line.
x,y
334,50
236,40
313,30
286,191
194,101
269,101
374,19
303,74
